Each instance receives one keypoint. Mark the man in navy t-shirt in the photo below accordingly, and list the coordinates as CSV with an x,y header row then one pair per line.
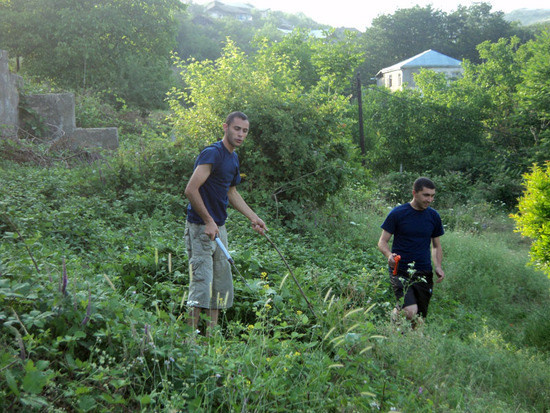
x,y
415,227
211,188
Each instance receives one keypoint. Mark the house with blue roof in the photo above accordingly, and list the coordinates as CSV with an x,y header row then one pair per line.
x,y
401,75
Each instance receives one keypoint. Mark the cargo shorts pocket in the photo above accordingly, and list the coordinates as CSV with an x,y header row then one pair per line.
x,y
199,271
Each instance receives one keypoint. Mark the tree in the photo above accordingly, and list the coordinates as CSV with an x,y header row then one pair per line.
x,y
533,94
393,38
331,58
296,47
417,133
200,41
335,57
110,45
482,106
407,32
533,216
469,26
491,124
498,76
202,37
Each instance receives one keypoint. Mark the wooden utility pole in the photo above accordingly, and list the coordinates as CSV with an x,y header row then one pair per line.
x,y
361,132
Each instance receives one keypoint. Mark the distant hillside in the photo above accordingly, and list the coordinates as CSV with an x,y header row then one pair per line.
x,y
527,17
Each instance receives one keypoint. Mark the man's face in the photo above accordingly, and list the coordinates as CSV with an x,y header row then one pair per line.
x,y
423,198
236,132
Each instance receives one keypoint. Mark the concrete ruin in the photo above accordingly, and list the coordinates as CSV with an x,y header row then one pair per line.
x,y
9,97
56,111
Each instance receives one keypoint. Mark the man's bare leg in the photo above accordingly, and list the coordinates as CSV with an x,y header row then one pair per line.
x,y
410,311
194,317
213,319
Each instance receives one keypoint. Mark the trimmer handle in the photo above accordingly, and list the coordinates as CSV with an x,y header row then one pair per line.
x,y
224,250
396,259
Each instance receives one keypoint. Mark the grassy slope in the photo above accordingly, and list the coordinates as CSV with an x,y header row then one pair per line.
x,y
484,347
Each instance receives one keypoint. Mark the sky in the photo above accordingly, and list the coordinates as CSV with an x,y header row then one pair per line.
x,y
359,14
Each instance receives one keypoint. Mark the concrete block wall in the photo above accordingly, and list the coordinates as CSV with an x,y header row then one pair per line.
x,y
56,110
9,98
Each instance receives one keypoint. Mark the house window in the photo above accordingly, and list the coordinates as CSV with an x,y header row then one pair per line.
x,y
389,81
399,79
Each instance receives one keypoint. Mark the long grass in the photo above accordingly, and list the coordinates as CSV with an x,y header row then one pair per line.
x,y
485,345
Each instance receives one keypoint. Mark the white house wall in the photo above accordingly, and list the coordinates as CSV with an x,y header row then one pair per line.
x,y
395,80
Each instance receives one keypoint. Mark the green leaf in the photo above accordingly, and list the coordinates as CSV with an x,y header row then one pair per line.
x,y
82,390
145,400
11,382
87,403
42,364
36,402
34,381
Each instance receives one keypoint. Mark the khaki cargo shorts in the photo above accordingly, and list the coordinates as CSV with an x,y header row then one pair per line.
x,y
210,278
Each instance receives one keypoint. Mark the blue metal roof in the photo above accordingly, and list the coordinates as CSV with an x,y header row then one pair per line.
x,y
428,58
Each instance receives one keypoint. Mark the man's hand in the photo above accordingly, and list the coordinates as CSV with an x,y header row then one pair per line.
x,y
211,229
392,261
258,225
440,274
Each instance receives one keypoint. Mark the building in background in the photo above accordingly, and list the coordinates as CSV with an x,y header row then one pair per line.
x,y
238,11
401,74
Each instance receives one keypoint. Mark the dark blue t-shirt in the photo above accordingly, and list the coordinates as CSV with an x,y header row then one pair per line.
x,y
412,234
225,173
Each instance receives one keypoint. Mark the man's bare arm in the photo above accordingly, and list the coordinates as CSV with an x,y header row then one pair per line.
x,y
384,247
199,177
237,202
437,257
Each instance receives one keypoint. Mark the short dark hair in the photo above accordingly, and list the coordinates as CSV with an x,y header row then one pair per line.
x,y
423,182
234,115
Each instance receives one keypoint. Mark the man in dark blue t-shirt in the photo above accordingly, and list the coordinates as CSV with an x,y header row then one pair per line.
x,y
414,227
211,188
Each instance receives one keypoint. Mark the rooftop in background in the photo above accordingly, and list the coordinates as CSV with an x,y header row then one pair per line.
x,y
427,59
239,11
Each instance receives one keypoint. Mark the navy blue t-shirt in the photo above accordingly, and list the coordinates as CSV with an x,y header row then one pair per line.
x,y
225,173
413,231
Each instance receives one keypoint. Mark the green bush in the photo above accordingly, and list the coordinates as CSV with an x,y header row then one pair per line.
x,y
396,187
299,142
533,216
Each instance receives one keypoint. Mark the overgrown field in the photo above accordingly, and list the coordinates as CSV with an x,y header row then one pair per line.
x,y
93,281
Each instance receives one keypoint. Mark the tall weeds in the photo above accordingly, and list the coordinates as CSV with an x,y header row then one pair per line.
x,y
114,337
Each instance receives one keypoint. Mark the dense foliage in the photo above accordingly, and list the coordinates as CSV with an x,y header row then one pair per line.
x,y
299,149
121,48
94,277
533,217
93,270
489,126
202,37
